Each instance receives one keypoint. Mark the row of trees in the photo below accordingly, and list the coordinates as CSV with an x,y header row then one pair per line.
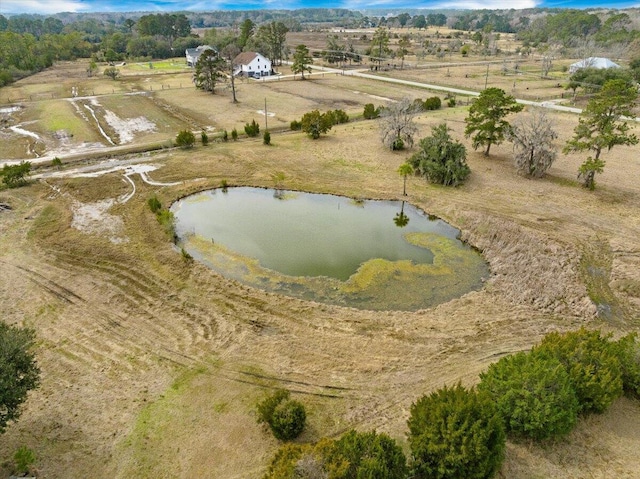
x,y
459,432
31,44
602,125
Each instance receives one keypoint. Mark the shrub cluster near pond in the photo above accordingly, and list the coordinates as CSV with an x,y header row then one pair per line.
x,y
164,216
353,455
440,159
315,123
458,432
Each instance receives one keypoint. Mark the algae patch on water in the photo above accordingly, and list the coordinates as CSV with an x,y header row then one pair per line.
x,y
378,284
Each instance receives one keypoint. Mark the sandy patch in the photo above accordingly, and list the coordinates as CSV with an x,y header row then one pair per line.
x,y
93,218
127,127
269,113
9,109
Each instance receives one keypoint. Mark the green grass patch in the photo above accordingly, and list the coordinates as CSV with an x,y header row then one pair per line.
x,y
61,115
169,65
49,222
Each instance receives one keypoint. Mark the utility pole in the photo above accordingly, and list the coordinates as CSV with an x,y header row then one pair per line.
x,y
486,78
265,115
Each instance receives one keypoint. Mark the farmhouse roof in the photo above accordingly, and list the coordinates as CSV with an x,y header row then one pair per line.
x,y
245,58
199,50
594,62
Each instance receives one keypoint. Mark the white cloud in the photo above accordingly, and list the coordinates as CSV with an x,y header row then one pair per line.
x,y
41,6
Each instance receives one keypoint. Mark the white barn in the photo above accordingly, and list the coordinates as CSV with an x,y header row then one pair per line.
x,y
252,64
592,62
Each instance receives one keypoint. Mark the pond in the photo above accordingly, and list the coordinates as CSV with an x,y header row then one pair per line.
x,y
368,254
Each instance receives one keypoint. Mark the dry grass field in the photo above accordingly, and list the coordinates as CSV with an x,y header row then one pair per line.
x,y
152,365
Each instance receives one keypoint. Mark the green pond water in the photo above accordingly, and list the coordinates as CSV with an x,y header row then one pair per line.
x,y
381,255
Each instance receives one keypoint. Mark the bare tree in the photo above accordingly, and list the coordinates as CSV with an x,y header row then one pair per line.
x,y
397,127
532,135
618,50
230,52
549,54
586,49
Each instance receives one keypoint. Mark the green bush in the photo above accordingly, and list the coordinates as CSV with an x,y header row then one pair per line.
x,y
365,455
285,461
204,137
234,134
398,144
19,372
286,418
296,125
225,135
440,159
534,395
628,351
266,138
338,117
432,103
252,129
592,363
23,459
371,112
314,123
154,204
57,162
456,433
14,176
167,220
185,139
355,455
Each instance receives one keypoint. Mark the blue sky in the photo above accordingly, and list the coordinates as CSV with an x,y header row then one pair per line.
x,y
54,6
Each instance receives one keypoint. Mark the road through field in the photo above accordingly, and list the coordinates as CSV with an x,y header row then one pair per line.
x,y
360,73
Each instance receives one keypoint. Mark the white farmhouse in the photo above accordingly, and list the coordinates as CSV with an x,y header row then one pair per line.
x,y
193,54
252,64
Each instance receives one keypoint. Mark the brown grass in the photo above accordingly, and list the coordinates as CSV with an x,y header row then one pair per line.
x,y
151,366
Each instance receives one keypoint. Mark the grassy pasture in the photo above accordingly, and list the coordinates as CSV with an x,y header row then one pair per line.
x,y
152,366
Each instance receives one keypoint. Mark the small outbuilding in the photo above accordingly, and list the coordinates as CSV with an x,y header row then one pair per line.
x,y
592,62
193,54
252,64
